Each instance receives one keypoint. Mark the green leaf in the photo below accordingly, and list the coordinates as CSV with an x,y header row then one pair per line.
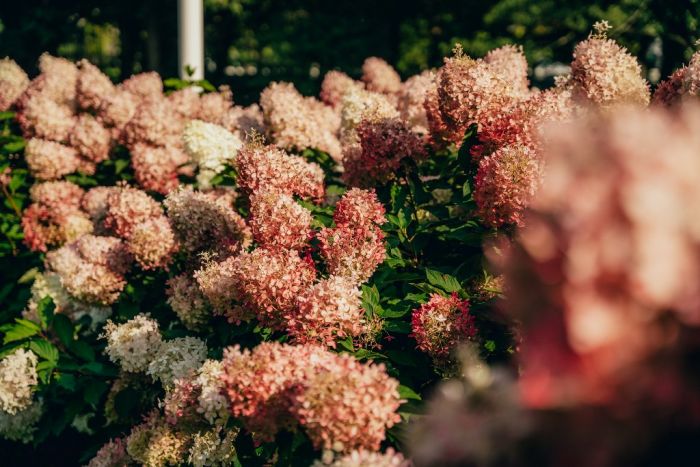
x,y
44,370
400,327
100,369
7,115
120,165
466,189
370,300
67,381
18,331
93,392
45,309
82,350
427,288
364,354
28,324
407,393
8,349
395,313
63,328
16,146
347,344
490,345
44,349
398,196
442,281
175,83
206,85
28,276
401,357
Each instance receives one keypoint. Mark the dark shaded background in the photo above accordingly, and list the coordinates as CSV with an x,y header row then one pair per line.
x,y
249,42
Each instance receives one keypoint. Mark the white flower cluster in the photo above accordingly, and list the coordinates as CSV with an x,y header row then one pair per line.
x,y
132,344
213,404
211,147
48,284
177,358
208,448
21,425
17,379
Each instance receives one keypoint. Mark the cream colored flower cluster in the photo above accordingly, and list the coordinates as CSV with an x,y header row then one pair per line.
x,y
132,345
137,346
17,380
192,425
177,358
211,147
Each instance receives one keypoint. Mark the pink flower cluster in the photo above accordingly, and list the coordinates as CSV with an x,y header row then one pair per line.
x,y
62,212
113,453
383,146
380,77
187,301
277,221
295,122
474,92
604,74
505,183
276,282
207,221
55,216
48,117
493,94
153,136
600,281
339,402
354,248
411,99
73,115
684,83
334,87
13,82
523,125
267,168
91,268
265,283
509,61
364,458
439,325
352,252
329,310
382,120
137,218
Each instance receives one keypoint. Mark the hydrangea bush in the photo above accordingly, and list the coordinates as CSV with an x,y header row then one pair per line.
x,y
197,282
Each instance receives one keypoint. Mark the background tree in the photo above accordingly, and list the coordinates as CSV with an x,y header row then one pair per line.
x,y
249,42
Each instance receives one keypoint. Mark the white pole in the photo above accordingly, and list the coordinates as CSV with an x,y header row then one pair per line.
x,y
190,16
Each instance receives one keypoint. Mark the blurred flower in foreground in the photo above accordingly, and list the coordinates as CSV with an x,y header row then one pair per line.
x,y
598,279
474,420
